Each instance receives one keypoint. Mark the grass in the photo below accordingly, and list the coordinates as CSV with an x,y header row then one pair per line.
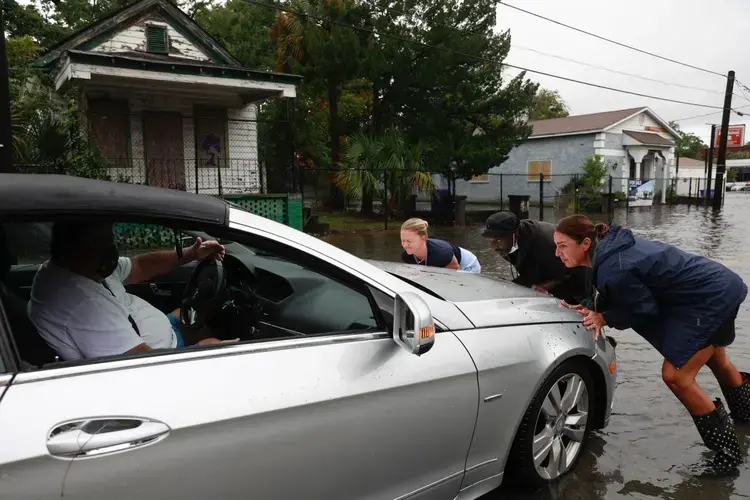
x,y
354,221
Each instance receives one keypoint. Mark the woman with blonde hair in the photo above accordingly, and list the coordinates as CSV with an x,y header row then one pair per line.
x,y
422,250
684,305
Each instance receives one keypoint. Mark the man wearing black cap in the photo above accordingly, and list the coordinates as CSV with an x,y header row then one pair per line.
x,y
529,247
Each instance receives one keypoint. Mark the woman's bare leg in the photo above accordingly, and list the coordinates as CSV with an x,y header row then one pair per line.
x,y
683,385
723,369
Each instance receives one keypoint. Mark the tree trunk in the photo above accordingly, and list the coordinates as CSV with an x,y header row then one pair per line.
x,y
337,199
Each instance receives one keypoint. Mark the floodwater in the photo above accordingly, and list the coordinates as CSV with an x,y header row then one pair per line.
x,y
650,444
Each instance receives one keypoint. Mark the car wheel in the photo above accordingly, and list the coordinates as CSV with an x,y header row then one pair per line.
x,y
553,432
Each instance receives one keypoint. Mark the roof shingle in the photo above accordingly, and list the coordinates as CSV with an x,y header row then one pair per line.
x,y
594,122
649,139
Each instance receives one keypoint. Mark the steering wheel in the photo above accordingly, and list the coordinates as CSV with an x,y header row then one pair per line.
x,y
203,293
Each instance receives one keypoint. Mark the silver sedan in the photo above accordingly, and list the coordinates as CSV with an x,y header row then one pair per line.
x,y
352,379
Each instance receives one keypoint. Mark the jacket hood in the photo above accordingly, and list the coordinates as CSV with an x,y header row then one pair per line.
x,y
616,240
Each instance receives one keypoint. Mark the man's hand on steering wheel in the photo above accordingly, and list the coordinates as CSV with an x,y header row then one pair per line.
x,y
203,250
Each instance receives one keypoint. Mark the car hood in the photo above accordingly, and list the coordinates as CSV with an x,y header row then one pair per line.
x,y
485,300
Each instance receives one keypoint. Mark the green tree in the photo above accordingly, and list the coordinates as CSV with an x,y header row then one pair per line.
x,y
547,104
687,145
449,91
388,161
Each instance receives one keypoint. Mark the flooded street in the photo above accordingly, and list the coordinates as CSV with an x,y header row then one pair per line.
x,y
651,441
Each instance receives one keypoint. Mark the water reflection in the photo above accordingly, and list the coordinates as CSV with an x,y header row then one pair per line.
x,y
651,443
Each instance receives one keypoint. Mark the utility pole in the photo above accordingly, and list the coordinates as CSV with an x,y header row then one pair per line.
x,y
6,131
710,163
721,161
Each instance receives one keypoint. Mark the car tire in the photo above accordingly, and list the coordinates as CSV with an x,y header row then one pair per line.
x,y
554,435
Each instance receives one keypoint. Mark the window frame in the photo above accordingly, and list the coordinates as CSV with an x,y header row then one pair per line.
x,y
11,356
535,178
163,29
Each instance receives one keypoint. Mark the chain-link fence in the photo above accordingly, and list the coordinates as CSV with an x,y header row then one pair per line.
x,y
453,200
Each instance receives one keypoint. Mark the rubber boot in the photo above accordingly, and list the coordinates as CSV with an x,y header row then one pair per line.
x,y
738,399
718,434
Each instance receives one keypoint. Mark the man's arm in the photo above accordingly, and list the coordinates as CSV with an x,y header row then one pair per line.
x,y
146,266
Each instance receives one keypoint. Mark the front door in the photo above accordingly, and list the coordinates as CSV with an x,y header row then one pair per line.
x,y
163,138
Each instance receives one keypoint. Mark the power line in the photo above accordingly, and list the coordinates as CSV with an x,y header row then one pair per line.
x,y
482,32
617,71
739,86
611,41
712,113
471,56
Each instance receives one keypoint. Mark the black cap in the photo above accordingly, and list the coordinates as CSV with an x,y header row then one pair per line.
x,y
501,224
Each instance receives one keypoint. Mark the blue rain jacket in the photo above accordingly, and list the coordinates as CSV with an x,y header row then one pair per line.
x,y
675,300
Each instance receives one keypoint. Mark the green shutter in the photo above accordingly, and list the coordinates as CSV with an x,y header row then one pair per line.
x,y
156,39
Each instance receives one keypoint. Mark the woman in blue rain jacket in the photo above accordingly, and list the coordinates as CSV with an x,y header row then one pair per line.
x,y
684,305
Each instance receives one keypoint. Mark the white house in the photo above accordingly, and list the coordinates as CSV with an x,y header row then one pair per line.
x,y
167,105
637,146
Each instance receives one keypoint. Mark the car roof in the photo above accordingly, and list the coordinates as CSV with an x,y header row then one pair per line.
x,y
43,196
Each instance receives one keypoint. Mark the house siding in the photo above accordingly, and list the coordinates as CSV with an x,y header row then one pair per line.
x,y
133,38
639,123
567,155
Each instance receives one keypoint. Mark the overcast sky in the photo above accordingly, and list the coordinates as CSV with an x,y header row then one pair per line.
x,y
689,31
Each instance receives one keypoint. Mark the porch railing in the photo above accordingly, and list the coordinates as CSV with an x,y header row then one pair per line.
x,y
223,177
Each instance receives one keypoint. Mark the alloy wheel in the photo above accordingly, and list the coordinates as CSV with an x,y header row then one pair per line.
x,y
560,426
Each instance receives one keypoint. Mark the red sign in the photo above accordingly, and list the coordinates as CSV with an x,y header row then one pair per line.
x,y
736,137
652,128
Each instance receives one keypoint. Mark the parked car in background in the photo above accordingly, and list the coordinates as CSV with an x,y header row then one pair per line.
x,y
351,380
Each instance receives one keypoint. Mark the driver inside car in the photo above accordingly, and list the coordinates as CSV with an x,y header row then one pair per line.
x,y
80,306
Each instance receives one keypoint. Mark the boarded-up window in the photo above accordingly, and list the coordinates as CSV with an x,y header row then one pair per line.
x,y
109,124
157,41
481,178
210,137
537,167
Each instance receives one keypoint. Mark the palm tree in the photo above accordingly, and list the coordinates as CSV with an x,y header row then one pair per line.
x,y
384,162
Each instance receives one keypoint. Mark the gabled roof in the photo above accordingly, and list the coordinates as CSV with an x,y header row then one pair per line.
x,y
110,23
591,123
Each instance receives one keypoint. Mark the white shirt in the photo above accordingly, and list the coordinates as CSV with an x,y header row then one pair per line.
x,y
80,318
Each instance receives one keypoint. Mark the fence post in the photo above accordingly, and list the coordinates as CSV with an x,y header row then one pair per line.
x,y
690,190
610,208
575,193
698,191
541,196
197,160
385,199
501,192
218,175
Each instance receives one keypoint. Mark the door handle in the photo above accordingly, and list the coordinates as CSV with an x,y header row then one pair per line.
x,y
158,291
93,437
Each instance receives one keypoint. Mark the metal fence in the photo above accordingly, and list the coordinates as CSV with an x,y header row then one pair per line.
x,y
328,189
186,174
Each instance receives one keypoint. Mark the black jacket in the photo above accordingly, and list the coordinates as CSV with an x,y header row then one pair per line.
x,y
536,263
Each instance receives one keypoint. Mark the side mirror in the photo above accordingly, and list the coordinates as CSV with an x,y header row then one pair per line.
x,y
413,326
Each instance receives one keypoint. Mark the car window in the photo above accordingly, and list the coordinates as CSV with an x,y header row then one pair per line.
x,y
300,296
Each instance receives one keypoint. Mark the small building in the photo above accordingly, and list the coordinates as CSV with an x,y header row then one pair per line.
x,y
690,178
166,103
637,147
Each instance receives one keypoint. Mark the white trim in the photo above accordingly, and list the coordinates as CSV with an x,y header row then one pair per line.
x,y
599,144
84,71
610,152
582,132
653,115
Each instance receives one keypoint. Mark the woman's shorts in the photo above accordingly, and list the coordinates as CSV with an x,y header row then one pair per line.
x,y
725,335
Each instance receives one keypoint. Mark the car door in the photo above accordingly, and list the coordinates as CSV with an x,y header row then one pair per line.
x,y
348,415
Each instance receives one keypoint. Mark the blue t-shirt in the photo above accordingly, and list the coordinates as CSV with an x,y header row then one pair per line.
x,y
440,253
